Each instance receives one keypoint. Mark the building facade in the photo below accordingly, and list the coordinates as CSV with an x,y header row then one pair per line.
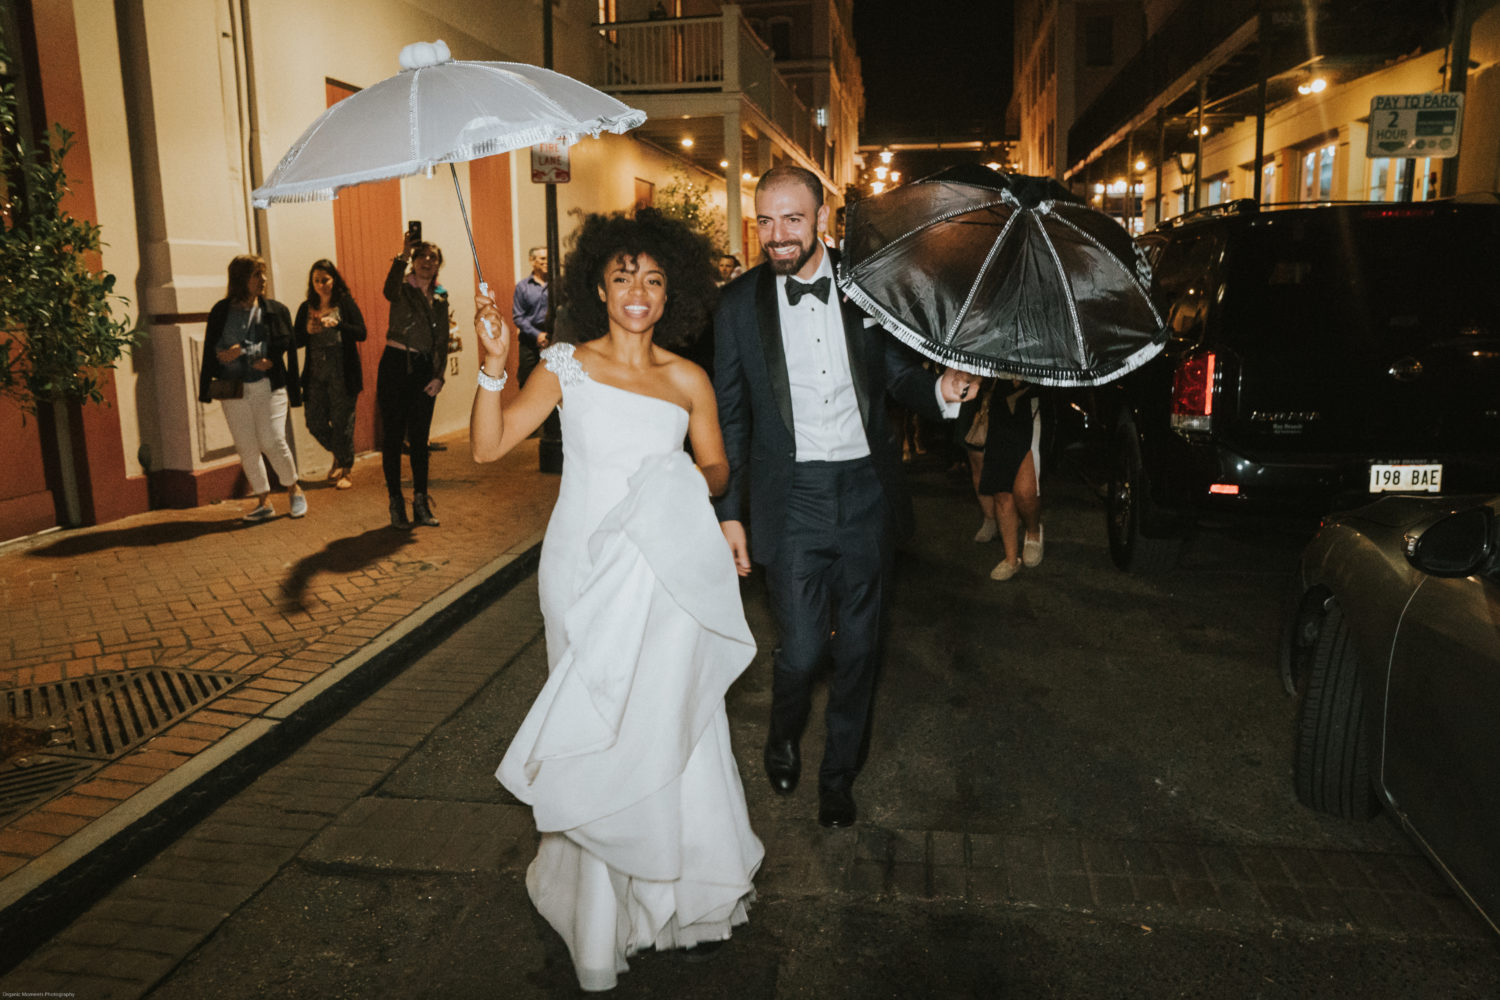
x,y
1264,99
182,107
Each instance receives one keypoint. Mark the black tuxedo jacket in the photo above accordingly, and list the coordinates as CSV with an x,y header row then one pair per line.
x,y
755,405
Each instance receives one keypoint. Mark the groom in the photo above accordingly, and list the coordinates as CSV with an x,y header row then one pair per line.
x,y
801,377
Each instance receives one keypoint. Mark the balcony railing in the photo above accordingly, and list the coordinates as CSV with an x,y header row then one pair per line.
x,y
687,55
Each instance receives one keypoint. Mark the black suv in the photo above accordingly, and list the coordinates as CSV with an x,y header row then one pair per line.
x,y
1316,357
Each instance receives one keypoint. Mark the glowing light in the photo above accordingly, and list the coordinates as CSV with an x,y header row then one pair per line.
x,y
687,142
723,164
877,187
885,156
1314,86
1140,164
881,172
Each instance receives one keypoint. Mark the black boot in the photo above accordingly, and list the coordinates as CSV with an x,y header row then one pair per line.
x,y
398,513
421,510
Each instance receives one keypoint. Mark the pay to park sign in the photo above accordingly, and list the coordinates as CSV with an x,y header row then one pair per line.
x,y
1415,125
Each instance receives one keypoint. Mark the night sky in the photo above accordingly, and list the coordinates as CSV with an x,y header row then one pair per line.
x,y
934,68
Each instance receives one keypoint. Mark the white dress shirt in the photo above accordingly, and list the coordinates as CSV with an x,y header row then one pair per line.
x,y
825,409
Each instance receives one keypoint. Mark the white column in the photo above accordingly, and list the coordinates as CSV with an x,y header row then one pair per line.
x,y
733,183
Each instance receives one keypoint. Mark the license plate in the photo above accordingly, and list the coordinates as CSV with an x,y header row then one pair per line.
x,y
1406,478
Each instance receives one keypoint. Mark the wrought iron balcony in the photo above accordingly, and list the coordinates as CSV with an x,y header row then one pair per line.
x,y
705,56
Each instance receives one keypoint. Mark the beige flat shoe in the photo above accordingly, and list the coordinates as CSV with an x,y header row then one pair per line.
x,y
1005,570
343,483
337,472
987,531
1031,549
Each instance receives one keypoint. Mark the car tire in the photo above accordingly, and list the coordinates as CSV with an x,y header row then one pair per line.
x,y
1129,516
1332,761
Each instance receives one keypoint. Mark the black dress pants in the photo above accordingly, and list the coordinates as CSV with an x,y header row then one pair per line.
x,y
827,588
405,415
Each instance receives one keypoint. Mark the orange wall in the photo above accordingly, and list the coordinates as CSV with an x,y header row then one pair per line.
x,y
108,493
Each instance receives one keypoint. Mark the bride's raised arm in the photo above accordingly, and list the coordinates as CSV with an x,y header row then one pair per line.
x,y
495,429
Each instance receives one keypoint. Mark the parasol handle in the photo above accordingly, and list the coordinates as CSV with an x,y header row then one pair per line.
x,y
467,230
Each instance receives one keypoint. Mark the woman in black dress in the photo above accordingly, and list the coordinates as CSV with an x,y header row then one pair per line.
x,y
329,327
1012,472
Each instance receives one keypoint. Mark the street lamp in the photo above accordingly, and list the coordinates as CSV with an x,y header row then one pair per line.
x,y
1187,163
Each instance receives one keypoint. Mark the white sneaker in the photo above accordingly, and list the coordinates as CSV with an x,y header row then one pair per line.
x,y
1005,570
987,531
261,513
1031,549
299,504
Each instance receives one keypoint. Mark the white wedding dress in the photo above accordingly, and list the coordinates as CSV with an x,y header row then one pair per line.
x,y
625,757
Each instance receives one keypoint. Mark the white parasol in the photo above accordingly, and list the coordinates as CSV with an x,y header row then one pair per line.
x,y
438,110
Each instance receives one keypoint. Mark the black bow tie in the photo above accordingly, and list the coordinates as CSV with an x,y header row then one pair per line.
x,y
796,289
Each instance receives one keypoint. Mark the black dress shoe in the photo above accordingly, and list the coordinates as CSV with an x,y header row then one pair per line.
x,y
783,765
835,807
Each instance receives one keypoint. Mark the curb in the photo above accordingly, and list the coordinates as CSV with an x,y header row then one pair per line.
x,y
40,899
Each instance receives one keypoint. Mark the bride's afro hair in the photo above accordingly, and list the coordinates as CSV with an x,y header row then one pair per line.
x,y
685,256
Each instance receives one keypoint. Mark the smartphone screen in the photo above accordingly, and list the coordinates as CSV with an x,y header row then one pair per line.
x,y
414,231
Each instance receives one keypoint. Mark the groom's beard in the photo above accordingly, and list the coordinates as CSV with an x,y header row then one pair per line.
x,y
792,265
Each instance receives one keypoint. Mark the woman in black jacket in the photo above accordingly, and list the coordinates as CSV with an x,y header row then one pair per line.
x,y
329,327
411,374
250,367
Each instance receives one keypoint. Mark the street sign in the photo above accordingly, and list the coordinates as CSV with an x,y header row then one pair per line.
x,y
1415,125
550,163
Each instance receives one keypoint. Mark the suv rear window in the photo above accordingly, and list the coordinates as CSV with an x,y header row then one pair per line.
x,y
1373,270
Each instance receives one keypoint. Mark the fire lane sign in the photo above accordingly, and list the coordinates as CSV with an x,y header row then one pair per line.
x,y
1415,125
550,163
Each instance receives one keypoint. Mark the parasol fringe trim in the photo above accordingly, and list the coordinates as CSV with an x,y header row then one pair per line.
x,y
320,191
975,365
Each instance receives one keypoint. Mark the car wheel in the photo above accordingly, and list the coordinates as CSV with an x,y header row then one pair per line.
x,y
1128,513
1332,762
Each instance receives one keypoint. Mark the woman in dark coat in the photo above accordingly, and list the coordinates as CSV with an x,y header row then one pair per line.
x,y
247,354
329,327
411,374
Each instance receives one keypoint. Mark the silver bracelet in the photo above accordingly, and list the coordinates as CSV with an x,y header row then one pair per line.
x,y
492,383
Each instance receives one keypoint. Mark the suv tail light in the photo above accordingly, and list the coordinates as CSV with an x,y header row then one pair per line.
x,y
1193,394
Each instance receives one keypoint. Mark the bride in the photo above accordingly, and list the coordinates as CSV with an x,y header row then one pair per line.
x,y
625,756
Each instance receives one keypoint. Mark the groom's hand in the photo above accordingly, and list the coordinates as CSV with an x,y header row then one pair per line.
x,y
734,534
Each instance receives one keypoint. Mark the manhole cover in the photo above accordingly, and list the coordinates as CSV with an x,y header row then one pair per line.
x,y
104,715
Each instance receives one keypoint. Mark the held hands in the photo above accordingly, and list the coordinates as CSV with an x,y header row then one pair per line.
x,y
739,547
957,386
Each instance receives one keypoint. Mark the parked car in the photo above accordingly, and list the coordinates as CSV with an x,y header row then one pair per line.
x,y
1392,642
1317,357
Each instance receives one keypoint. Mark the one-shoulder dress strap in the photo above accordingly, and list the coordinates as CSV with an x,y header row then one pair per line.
x,y
560,362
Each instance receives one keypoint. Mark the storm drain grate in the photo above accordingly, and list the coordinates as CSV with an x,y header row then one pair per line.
x,y
104,715
91,720
31,780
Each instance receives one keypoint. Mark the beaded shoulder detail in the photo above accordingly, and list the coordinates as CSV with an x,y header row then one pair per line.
x,y
560,362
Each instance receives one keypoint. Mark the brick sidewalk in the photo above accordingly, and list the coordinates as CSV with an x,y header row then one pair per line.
x,y
155,649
